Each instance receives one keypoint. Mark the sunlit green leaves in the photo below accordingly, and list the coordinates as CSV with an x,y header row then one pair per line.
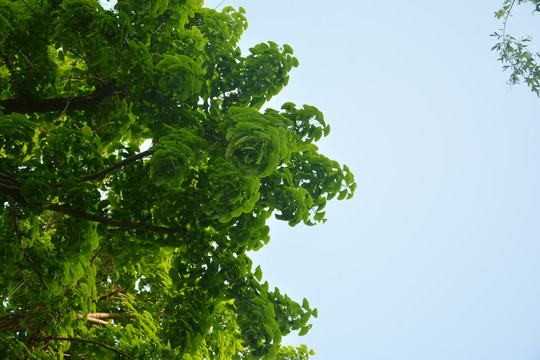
x,y
178,76
167,166
263,73
256,143
232,193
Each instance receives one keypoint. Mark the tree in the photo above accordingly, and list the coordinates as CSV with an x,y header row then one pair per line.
x,y
515,54
113,251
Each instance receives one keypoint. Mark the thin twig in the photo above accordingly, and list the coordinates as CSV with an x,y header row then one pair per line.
x,y
35,269
109,347
222,1
95,256
10,294
107,261
21,242
113,167
506,20
107,295
69,96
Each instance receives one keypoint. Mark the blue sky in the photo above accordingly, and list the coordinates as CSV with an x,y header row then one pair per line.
x,y
438,254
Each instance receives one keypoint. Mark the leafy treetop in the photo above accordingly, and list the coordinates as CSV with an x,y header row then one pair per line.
x,y
110,251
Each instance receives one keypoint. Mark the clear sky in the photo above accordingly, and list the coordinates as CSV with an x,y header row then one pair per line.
x,y
438,255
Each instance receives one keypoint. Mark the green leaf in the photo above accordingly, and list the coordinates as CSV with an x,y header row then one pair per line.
x,y
258,273
287,49
304,330
305,304
87,132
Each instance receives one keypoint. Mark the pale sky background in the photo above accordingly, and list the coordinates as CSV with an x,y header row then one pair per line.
x,y
438,255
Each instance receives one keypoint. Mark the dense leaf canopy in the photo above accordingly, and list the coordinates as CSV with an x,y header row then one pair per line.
x,y
138,169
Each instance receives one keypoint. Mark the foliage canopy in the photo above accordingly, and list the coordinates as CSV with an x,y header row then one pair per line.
x,y
110,251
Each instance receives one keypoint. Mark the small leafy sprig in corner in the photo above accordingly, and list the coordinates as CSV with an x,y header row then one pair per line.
x,y
515,54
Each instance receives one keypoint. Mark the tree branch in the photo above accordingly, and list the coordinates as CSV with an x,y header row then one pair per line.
x,y
109,347
104,315
113,167
100,322
97,317
95,320
25,105
110,221
95,256
10,187
150,300
111,293
12,323
101,318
